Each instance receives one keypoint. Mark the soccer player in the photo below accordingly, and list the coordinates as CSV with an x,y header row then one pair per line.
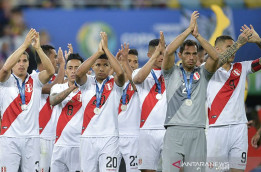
x,y
100,99
19,141
186,85
227,139
46,124
152,96
68,113
129,111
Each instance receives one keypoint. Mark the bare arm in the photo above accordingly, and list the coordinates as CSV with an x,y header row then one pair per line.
x,y
146,69
59,77
13,58
119,77
45,75
256,139
59,97
169,58
81,77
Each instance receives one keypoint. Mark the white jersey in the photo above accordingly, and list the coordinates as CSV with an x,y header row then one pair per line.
x,y
225,95
129,120
153,111
106,123
46,120
68,115
15,121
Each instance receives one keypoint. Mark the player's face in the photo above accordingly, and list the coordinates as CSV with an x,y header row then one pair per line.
x,y
159,59
20,69
189,57
133,61
53,59
101,68
71,68
223,46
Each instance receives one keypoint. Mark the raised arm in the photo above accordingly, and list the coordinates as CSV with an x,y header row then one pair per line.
x,y
169,58
57,98
45,75
60,75
146,69
13,58
119,74
81,77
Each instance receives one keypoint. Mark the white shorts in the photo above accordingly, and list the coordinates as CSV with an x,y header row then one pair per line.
x,y
150,148
46,154
227,147
128,147
99,153
66,159
23,152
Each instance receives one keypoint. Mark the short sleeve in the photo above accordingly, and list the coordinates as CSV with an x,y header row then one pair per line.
x,y
56,89
36,79
167,73
87,84
206,73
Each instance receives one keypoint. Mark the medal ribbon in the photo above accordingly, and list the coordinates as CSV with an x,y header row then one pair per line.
x,y
124,95
99,92
158,85
188,85
21,90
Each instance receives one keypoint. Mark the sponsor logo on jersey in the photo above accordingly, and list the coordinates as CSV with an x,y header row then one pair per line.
x,y
177,164
3,169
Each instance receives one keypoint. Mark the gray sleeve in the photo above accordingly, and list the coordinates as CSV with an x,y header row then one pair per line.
x,y
206,73
167,73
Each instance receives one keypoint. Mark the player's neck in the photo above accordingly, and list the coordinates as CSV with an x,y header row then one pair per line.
x,y
22,77
188,69
156,67
227,66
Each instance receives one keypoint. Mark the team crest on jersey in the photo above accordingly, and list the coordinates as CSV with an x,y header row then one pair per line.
x,y
236,72
79,97
28,87
3,169
108,86
196,76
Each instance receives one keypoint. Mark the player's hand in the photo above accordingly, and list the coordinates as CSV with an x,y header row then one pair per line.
x,y
254,38
70,51
60,58
193,20
255,140
104,40
124,52
36,41
161,47
29,37
244,36
195,31
100,49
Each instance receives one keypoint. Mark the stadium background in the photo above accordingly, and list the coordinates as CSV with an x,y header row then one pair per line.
x,y
134,21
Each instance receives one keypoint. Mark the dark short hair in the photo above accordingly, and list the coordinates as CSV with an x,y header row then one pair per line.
x,y
133,52
223,38
103,56
75,56
47,50
188,42
153,43
27,55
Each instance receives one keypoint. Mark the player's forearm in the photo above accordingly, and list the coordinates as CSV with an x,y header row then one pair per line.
x,y
169,57
86,65
223,58
58,98
127,69
58,80
259,44
114,63
10,63
47,64
146,69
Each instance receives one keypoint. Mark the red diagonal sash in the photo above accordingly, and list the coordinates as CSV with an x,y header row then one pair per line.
x,y
224,93
14,109
89,110
150,101
129,93
45,115
68,112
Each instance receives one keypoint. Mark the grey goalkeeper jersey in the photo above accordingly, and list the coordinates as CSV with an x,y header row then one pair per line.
x,y
178,113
